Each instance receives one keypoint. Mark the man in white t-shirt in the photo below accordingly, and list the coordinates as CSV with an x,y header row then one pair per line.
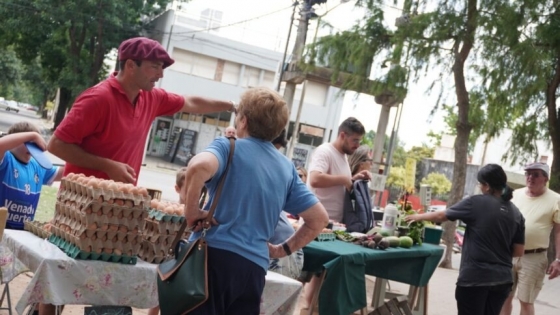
x,y
540,207
330,175
329,171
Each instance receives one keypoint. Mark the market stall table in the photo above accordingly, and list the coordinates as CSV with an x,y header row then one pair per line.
x,y
10,267
346,265
59,279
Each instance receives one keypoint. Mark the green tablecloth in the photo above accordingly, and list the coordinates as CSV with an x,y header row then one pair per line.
x,y
347,264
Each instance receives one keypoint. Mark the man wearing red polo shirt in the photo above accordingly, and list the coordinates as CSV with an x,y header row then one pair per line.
x,y
105,131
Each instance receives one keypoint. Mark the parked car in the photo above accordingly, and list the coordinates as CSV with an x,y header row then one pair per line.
x,y
9,106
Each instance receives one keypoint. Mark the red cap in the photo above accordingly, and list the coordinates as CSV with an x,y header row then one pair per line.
x,y
142,48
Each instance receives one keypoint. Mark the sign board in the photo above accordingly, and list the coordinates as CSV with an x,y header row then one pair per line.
x,y
107,310
172,143
409,174
299,157
185,147
377,182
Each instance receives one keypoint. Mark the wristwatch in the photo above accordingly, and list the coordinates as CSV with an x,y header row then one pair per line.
x,y
286,249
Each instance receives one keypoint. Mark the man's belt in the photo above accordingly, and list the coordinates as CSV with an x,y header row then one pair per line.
x,y
535,251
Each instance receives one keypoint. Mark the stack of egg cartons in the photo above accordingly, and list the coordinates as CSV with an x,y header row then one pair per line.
x,y
99,219
162,224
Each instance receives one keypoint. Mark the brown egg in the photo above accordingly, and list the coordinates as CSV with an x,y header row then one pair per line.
x,y
143,191
104,184
129,203
104,227
108,250
93,237
117,252
88,249
119,202
154,203
123,229
94,183
99,251
113,227
127,188
113,186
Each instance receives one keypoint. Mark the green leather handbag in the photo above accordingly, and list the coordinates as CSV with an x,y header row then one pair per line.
x,y
183,280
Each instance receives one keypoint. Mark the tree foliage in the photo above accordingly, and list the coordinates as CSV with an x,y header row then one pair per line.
x,y
72,38
396,177
399,154
443,36
420,153
439,183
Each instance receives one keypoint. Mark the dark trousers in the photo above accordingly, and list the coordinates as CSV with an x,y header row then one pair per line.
x,y
485,300
235,285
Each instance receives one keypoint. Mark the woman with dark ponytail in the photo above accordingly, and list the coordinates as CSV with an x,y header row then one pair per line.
x,y
495,233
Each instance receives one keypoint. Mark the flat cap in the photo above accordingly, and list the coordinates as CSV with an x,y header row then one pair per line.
x,y
539,166
142,48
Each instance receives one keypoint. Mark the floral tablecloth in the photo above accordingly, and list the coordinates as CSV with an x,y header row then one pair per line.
x,y
59,279
10,266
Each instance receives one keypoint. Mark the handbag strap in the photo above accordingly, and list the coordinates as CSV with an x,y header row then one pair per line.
x,y
207,222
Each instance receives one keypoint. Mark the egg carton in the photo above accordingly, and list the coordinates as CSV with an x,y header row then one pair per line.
x,y
82,202
165,217
99,214
75,252
37,228
152,253
76,190
323,237
153,227
102,241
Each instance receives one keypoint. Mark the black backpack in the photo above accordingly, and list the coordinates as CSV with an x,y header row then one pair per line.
x,y
358,215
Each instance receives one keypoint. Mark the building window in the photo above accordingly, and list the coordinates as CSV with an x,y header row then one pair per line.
x,y
251,77
231,73
204,66
316,93
308,134
196,64
268,79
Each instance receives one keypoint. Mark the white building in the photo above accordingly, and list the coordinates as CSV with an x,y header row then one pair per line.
x,y
498,151
212,66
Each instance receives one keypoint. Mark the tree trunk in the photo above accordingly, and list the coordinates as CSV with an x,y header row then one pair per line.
x,y
63,104
461,50
554,131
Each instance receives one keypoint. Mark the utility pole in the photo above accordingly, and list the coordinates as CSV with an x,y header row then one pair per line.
x,y
387,100
297,53
289,92
295,4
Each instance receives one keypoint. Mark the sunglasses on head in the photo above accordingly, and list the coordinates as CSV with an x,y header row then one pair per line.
x,y
300,175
